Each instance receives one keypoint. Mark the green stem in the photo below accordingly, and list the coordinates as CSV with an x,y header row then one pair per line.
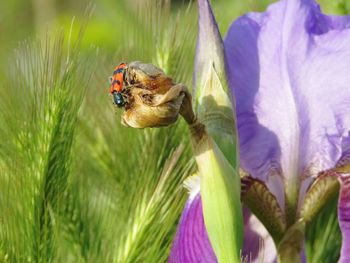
x,y
291,199
289,255
291,244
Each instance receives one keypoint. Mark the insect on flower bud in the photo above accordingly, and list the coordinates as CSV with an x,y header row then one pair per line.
x,y
152,97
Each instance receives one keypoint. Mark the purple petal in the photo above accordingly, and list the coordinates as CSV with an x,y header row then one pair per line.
x,y
191,242
289,70
344,218
258,244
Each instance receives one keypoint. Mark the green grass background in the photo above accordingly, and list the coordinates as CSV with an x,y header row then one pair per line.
x,y
76,186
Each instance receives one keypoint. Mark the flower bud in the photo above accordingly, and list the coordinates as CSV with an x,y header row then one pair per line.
x,y
153,99
216,151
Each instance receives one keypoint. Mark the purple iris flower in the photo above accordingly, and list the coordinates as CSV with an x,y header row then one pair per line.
x,y
289,73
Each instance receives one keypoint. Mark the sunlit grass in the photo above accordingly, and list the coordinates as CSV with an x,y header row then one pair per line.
x,y
76,186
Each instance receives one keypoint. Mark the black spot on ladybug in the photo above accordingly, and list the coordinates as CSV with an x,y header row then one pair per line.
x,y
118,82
119,70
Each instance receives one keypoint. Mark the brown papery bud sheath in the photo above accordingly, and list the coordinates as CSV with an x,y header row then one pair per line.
x,y
154,99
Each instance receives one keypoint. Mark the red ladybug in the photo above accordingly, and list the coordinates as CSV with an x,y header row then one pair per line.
x,y
117,84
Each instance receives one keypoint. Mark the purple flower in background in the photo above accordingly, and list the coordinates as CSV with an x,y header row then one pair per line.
x,y
289,73
191,243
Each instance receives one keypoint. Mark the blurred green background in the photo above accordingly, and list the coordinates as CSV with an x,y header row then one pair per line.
x,y
76,186
20,19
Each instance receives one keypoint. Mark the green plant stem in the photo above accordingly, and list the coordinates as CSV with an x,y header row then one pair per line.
x,y
291,245
289,256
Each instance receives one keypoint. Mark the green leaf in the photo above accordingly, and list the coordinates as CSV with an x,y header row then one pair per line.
x,y
220,192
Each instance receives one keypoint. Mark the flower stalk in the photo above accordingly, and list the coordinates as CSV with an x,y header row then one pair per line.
x,y
291,245
220,190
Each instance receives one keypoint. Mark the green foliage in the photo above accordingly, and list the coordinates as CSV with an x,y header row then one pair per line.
x,y
39,107
343,7
76,186
323,237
